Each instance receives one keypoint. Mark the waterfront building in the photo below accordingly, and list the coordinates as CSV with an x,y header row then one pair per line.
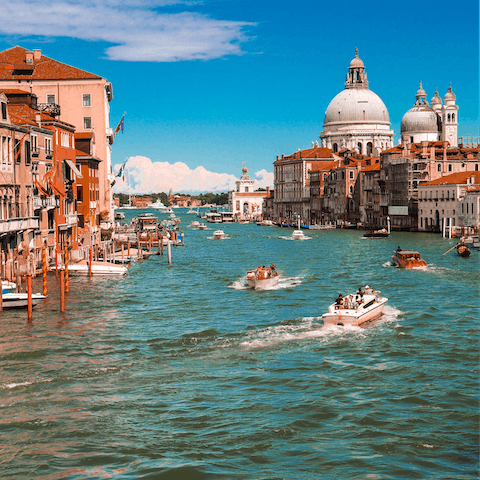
x,y
357,119
292,182
452,200
88,188
437,122
78,97
409,165
317,184
244,202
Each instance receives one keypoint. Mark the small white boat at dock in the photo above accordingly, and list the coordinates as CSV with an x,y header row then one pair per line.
x,y
355,309
262,278
20,300
98,268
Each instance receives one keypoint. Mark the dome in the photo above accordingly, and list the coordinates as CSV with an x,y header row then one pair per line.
x,y
420,118
436,100
449,95
356,105
356,62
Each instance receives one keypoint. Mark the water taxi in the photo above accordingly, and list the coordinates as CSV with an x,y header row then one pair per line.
x,y
213,217
356,308
262,278
218,234
298,235
382,233
407,259
202,226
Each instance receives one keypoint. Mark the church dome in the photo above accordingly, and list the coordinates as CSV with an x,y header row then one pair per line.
x,y
449,96
356,105
420,118
436,100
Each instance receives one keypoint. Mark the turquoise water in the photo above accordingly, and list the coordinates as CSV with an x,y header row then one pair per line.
x,y
180,372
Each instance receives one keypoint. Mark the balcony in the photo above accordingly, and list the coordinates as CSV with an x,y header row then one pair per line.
x,y
71,219
45,202
93,204
13,225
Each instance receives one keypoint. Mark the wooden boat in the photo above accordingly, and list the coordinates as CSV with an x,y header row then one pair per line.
x,y
382,233
20,300
262,278
356,309
407,259
463,250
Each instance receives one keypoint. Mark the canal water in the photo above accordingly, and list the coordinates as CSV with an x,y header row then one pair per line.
x,y
181,372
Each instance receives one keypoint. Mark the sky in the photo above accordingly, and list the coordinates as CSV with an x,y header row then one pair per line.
x,y
207,85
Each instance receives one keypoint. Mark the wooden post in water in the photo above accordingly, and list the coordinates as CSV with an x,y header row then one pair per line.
x,y
44,269
62,290
29,294
128,247
90,259
160,243
66,268
169,250
138,246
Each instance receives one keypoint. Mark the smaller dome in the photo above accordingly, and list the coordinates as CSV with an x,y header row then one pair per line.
x,y
421,92
449,95
420,118
436,100
356,62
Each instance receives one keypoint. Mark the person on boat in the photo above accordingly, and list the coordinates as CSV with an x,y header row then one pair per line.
x,y
339,300
273,267
399,249
359,295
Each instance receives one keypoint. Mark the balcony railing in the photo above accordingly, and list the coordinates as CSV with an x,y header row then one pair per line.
x,y
71,219
44,202
18,224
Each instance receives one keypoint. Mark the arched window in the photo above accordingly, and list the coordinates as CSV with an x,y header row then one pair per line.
x,y
359,146
351,189
439,167
453,117
369,149
335,147
448,118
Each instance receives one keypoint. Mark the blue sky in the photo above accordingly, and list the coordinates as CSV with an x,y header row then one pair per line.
x,y
207,85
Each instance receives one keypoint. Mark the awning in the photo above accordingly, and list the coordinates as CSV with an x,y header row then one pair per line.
x,y
76,171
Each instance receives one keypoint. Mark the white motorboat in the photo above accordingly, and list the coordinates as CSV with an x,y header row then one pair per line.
x,y
262,278
166,210
219,234
202,226
298,235
265,223
98,268
8,287
355,309
20,300
195,223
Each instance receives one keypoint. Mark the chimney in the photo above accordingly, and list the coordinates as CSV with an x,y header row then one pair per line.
x,y
39,119
268,192
277,158
29,58
37,54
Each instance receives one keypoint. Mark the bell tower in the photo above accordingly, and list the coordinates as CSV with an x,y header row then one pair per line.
x,y
450,118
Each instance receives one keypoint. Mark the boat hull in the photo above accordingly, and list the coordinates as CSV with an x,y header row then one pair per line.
x,y
98,268
20,300
260,281
371,309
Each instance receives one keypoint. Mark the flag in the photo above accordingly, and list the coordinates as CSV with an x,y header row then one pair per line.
x,y
121,169
120,125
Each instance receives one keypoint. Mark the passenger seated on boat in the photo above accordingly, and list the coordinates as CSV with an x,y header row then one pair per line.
x,y
339,301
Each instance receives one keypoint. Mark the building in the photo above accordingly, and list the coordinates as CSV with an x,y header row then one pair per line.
x,y
452,200
357,119
437,122
75,96
292,182
244,202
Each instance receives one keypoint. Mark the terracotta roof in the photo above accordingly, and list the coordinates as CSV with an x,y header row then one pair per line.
x,y
14,91
14,59
251,194
81,135
326,166
458,178
310,153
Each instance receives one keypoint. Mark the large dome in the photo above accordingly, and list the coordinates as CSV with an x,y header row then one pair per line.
x,y
420,118
356,105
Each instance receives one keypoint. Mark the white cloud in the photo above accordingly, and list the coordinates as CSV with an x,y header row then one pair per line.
x,y
139,30
144,176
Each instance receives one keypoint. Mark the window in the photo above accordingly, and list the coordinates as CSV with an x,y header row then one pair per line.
x,y
86,100
350,173
48,147
17,151
439,167
350,189
453,117
335,147
51,99
369,148
34,144
87,123
359,146
80,193
449,167
476,167
4,111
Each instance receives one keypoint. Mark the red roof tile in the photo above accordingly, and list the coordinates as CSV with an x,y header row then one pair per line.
x,y
458,178
45,68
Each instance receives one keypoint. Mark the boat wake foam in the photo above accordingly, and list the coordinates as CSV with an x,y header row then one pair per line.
x,y
283,282
296,239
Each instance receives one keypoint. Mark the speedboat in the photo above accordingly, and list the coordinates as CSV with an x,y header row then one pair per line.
x,y
166,209
219,234
298,235
202,226
195,223
20,300
382,233
262,278
158,204
98,268
407,259
356,309
8,287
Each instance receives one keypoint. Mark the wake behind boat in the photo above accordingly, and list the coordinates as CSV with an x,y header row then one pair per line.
x,y
262,278
356,308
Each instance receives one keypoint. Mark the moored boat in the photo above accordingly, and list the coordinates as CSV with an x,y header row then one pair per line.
x,y
407,259
20,300
262,278
356,308
98,268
